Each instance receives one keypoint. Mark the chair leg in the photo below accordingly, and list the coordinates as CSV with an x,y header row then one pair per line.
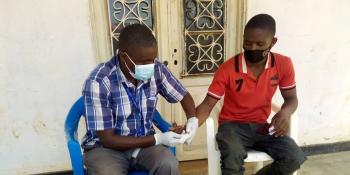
x,y
258,166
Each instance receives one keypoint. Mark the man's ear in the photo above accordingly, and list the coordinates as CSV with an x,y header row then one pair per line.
x,y
274,41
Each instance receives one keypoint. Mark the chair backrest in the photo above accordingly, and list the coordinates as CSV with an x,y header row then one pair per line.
x,y
72,120
71,126
70,129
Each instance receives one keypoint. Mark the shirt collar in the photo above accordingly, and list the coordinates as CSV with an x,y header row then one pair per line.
x,y
118,71
269,63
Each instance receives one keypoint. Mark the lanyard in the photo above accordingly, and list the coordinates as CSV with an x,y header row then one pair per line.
x,y
141,131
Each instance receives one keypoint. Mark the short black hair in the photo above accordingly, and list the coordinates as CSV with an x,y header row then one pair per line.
x,y
136,35
262,21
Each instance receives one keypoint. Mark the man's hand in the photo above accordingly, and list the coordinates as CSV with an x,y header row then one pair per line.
x,y
191,128
179,129
168,138
281,123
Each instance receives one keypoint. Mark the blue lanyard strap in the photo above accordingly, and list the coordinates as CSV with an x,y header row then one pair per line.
x,y
141,131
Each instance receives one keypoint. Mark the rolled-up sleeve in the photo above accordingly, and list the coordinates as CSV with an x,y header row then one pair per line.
x,y
170,87
98,111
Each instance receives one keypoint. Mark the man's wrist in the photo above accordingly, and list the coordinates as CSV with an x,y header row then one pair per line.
x,y
193,118
156,139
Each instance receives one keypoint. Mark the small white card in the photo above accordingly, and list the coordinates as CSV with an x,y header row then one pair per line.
x,y
272,130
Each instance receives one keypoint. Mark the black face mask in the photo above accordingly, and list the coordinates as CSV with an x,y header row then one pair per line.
x,y
255,56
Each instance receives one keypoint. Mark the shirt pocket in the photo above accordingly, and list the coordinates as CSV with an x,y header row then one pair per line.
x,y
151,104
122,110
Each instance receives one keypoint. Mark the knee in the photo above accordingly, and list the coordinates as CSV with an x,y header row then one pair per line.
x,y
169,163
298,159
236,152
231,147
168,160
294,159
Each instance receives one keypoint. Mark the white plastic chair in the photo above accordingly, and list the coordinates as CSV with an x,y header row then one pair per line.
x,y
257,157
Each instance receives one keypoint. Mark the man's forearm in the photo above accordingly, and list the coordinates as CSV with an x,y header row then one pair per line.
x,y
289,106
117,142
202,113
188,106
204,109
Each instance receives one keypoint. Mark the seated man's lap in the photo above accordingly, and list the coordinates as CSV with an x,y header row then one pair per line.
x,y
107,161
232,136
154,157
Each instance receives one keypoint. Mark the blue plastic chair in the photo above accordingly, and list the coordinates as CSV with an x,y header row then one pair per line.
x,y
71,126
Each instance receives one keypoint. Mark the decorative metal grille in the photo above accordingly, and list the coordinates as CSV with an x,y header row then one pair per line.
x,y
204,36
126,12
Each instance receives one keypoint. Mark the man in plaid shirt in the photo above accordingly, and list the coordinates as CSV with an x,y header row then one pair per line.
x,y
120,97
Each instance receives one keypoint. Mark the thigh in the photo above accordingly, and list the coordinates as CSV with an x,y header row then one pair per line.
x,y
280,148
234,135
232,139
154,156
104,161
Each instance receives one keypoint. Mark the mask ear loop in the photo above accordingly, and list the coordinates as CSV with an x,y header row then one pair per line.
x,y
130,59
267,51
130,72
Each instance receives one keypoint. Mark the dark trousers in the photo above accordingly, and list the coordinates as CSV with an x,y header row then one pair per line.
x,y
157,160
235,138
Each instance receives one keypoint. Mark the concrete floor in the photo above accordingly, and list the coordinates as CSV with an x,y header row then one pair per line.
x,y
322,164
327,164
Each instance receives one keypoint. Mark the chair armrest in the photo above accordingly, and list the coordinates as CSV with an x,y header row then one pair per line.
x,y
213,153
159,122
76,157
293,132
162,125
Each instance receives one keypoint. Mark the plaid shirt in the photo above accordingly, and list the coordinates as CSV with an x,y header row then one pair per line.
x,y
108,106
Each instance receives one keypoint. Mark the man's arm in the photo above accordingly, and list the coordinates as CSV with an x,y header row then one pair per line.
x,y
290,101
187,104
204,109
281,120
110,140
195,119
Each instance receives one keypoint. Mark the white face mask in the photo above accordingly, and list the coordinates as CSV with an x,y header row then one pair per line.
x,y
142,72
